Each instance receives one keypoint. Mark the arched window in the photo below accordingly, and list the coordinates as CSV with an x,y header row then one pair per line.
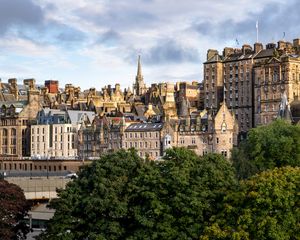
x,y
13,136
4,136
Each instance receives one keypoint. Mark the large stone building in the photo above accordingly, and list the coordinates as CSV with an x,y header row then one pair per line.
x,y
17,113
55,135
93,138
205,133
252,81
275,76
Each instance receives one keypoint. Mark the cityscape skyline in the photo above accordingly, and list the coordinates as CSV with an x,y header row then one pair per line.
x,y
92,43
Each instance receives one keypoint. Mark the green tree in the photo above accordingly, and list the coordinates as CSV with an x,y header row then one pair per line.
x,y
266,206
95,205
174,200
267,147
13,209
122,196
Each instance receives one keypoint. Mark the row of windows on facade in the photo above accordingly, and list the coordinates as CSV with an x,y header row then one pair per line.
x,y
230,87
151,154
142,135
12,122
193,140
8,122
240,64
268,107
7,150
266,96
56,146
42,139
237,76
69,129
141,144
30,167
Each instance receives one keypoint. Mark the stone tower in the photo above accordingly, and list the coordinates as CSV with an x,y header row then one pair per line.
x,y
139,86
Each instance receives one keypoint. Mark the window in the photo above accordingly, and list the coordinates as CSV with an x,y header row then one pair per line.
x,y
193,140
217,140
224,153
223,127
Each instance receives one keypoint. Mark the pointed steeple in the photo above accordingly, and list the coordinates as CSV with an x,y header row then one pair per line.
x,y
139,87
139,70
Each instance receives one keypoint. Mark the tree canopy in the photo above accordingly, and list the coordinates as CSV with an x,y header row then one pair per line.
x,y
13,208
267,206
267,147
122,196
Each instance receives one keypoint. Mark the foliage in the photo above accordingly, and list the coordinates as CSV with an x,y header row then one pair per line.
x,y
13,209
267,147
267,206
122,196
180,193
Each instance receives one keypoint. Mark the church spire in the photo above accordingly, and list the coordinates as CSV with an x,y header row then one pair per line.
x,y
139,70
139,87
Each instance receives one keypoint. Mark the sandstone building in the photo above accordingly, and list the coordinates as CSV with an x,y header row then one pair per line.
x,y
252,80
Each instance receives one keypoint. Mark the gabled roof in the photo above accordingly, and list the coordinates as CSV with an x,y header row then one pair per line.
x,y
77,116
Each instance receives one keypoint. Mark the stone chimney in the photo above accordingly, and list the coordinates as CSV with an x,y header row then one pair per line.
x,y
271,46
246,49
227,51
296,42
30,83
258,47
14,87
211,53
281,45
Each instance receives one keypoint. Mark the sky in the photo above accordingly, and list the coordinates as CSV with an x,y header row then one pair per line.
x,y
92,43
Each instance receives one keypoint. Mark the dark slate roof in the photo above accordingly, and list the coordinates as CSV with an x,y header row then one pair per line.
x,y
265,53
144,127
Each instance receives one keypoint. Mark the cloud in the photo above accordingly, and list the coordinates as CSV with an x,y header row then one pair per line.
x,y
109,38
19,13
69,35
169,51
118,16
274,19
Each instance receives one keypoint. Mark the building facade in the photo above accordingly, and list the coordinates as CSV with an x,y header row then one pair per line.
x,y
252,80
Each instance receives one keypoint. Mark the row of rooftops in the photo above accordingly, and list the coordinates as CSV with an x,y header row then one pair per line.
x,y
258,51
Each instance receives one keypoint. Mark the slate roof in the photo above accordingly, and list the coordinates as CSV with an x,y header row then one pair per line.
x,y
144,127
75,116
265,53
